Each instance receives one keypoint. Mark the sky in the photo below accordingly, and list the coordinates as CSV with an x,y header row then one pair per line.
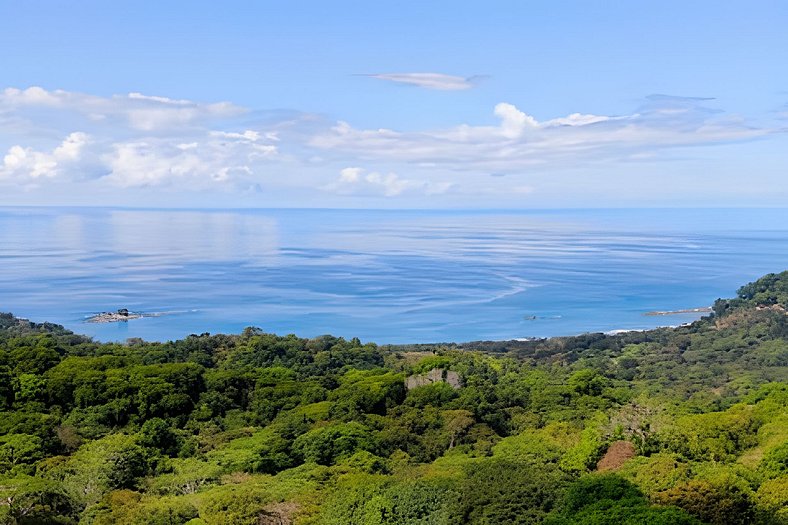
x,y
407,104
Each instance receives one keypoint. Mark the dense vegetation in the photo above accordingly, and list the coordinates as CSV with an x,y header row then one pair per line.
x,y
670,426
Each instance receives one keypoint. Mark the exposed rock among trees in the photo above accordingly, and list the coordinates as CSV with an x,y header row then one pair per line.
x,y
436,375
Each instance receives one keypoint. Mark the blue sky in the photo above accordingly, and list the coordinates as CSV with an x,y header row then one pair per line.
x,y
394,104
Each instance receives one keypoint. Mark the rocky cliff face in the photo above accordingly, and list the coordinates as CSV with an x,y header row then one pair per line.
x,y
436,375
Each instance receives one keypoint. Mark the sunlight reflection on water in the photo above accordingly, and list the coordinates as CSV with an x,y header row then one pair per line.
x,y
408,276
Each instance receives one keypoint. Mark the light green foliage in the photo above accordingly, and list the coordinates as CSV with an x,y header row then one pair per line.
x,y
772,501
263,451
185,476
364,461
357,498
714,436
28,499
720,501
428,363
18,452
131,508
234,504
30,388
775,462
378,500
583,456
113,462
163,511
587,382
531,445
657,472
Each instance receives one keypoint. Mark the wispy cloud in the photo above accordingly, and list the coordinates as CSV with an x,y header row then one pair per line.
x,y
438,81
520,141
358,181
140,112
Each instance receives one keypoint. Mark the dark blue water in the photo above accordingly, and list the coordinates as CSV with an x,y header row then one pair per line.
x,y
385,276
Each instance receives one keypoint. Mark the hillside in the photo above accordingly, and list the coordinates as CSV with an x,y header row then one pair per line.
x,y
671,426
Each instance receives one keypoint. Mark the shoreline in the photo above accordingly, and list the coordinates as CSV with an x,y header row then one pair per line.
x,y
699,310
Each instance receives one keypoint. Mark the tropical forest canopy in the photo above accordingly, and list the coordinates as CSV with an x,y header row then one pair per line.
x,y
682,425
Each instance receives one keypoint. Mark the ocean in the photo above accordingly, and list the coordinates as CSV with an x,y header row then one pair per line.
x,y
385,276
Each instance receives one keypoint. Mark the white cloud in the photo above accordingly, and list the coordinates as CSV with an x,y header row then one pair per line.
x,y
71,148
520,141
34,96
142,112
350,175
513,121
155,162
21,161
579,119
248,135
134,140
163,100
437,81
26,162
391,184
358,181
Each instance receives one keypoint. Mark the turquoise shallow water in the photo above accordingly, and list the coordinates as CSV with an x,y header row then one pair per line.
x,y
385,276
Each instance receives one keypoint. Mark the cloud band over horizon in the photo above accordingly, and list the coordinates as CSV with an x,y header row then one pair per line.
x,y
148,141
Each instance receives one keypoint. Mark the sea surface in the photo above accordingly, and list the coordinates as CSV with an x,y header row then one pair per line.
x,y
383,276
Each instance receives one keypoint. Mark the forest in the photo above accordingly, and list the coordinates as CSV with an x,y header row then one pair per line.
x,y
685,425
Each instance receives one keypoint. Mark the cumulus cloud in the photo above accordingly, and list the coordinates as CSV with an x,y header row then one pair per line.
x,y
438,81
154,161
134,140
22,162
513,121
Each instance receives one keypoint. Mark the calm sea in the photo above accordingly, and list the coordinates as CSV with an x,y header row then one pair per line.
x,y
384,276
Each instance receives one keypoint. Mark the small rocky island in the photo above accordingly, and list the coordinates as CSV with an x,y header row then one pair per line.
x,y
121,315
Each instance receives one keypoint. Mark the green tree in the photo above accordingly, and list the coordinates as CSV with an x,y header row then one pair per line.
x,y
325,445
19,450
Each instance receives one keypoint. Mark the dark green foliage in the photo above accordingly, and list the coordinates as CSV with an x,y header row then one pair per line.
x,y
602,491
437,395
325,445
715,503
768,290
158,434
504,492
368,391
609,499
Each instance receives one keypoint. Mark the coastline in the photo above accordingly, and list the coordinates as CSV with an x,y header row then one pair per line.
x,y
699,310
